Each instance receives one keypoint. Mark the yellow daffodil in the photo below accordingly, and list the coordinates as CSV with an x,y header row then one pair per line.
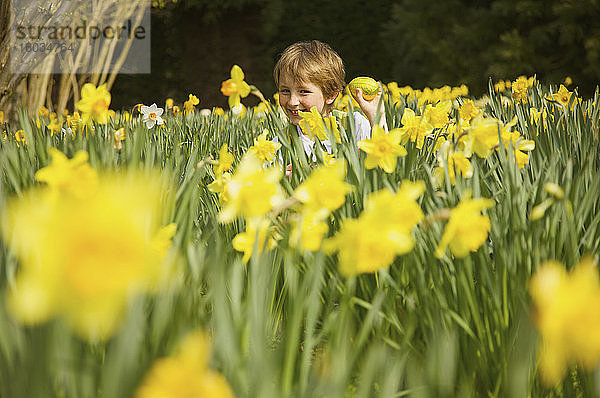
x,y
381,232
313,124
118,138
467,229
55,125
483,134
454,161
360,247
397,213
186,373
218,186
263,148
468,110
308,229
162,239
108,249
245,241
221,176
414,128
94,103
189,106
537,116
520,146
563,96
519,89
20,137
438,115
225,160
567,316
383,149
235,87
325,188
63,176
43,111
251,191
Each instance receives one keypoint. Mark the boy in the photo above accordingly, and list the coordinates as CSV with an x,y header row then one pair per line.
x,y
310,73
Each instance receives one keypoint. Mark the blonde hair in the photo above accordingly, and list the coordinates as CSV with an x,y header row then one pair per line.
x,y
315,62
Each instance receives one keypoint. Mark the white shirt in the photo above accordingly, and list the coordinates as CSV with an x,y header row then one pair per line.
x,y
361,127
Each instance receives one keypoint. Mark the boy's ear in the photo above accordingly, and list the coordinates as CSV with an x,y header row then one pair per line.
x,y
329,101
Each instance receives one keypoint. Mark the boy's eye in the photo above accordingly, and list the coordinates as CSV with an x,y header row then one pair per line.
x,y
284,91
305,91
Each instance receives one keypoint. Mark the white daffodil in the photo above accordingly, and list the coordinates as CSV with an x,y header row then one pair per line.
x,y
152,115
205,112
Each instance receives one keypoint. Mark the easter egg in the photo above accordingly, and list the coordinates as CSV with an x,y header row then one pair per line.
x,y
368,86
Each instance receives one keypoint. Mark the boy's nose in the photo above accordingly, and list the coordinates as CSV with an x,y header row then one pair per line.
x,y
294,100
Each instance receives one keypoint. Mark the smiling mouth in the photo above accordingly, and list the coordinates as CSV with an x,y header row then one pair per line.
x,y
294,112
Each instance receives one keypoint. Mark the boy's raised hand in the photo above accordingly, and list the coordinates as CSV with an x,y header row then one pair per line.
x,y
369,108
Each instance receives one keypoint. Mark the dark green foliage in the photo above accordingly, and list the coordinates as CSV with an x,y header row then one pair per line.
x,y
415,42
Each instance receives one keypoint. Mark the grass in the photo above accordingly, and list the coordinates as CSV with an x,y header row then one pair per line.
x,y
287,324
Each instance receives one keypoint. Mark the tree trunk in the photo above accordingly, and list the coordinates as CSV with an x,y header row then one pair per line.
x,y
32,90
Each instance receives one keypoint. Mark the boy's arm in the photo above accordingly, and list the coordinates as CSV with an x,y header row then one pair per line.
x,y
370,108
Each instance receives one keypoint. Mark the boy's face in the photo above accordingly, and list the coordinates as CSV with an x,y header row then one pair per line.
x,y
295,97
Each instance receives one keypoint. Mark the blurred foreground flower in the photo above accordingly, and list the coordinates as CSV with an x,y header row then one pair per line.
x,y
185,373
321,193
68,177
308,229
85,251
151,115
467,229
325,188
251,191
567,315
381,232
235,87
94,103
257,228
